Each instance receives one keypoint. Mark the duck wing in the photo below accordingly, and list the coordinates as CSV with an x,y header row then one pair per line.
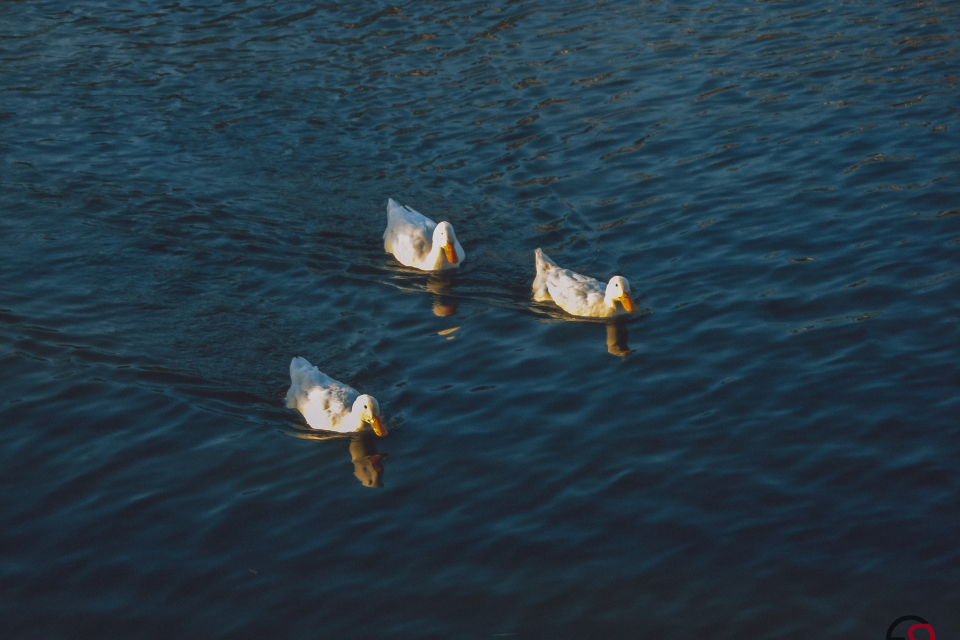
x,y
408,232
575,293
322,400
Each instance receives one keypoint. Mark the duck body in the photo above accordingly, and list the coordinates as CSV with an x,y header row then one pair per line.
x,y
330,405
580,295
419,242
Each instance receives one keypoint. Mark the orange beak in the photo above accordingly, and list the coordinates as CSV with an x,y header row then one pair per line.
x,y
627,303
377,425
451,252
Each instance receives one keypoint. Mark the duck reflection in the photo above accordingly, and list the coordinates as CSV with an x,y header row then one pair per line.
x,y
367,463
439,285
617,339
616,328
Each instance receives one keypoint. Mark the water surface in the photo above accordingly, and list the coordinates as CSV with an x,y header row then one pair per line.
x,y
192,194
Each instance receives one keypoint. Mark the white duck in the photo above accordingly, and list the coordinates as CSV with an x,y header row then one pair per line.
x,y
579,295
417,241
328,404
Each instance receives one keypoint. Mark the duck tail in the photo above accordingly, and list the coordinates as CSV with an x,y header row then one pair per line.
x,y
299,366
394,208
386,232
544,264
301,372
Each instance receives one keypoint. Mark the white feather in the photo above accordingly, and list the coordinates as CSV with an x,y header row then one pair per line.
x,y
325,403
417,241
577,294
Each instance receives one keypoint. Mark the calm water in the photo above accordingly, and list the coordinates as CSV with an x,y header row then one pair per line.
x,y
191,194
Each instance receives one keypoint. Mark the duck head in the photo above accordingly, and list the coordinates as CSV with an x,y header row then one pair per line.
x,y
618,290
444,237
368,409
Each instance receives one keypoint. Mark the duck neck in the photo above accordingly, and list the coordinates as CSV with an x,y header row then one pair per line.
x,y
352,421
436,257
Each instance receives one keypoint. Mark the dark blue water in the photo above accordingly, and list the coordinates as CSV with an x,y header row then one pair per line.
x,y
192,194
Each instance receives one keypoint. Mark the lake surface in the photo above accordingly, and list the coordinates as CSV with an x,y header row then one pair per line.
x,y
192,194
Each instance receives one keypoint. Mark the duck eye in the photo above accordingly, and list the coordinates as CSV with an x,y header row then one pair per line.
x,y
364,406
